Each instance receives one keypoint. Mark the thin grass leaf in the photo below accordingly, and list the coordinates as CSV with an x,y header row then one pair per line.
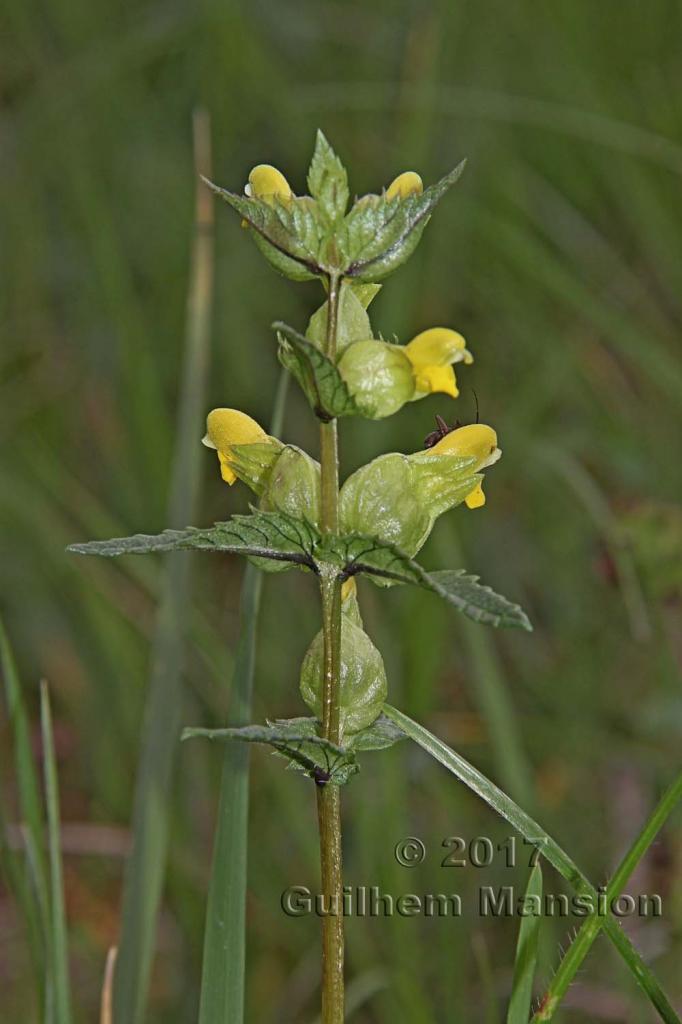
x,y
34,889
19,883
550,849
526,955
30,801
58,928
224,956
589,931
145,869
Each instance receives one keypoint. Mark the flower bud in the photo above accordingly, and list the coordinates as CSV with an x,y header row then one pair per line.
x,y
406,184
363,684
266,182
378,375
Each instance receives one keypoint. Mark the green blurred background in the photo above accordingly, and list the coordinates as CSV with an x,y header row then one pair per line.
x,y
557,256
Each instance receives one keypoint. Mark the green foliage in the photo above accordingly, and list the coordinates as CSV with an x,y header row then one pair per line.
x,y
573,300
266,535
58,945
281,538
319,378
30,878
572,961
386,562
381,234
526,959
305,237
286,231
380,735
297,740
222,975
328,181
550,849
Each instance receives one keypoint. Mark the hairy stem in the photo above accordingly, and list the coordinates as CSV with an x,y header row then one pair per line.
x,y
328,797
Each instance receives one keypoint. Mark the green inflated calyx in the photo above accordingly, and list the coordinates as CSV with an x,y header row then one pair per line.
x,y
379,377
363,685
397,498
353,321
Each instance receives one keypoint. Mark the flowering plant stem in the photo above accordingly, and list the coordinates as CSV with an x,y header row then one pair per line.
x,y
328,797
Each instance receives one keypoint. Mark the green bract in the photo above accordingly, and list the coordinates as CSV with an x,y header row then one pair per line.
x,y
312,236
363,685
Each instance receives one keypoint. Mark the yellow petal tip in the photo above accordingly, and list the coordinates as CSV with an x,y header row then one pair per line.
x,y
476,499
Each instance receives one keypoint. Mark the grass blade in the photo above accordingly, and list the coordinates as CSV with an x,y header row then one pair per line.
x,y
590,929
60,952
550,849
222,981
33,891
491,692
146,867
526,955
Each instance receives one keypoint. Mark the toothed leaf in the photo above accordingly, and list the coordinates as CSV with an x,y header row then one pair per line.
x,y
269,535
328,180
381,234
322,383
296,740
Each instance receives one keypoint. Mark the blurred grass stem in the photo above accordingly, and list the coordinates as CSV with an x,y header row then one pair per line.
x,y
145,871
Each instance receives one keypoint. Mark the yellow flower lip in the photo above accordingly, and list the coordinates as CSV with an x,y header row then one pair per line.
x,y
227,427
406,184
475,439
266,182
431,379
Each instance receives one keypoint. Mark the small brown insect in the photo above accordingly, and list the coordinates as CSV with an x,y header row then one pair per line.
x,y
442,429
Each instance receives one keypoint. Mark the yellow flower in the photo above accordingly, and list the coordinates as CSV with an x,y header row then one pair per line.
x,y
432,354
266,182
227,427
475,439
406,184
